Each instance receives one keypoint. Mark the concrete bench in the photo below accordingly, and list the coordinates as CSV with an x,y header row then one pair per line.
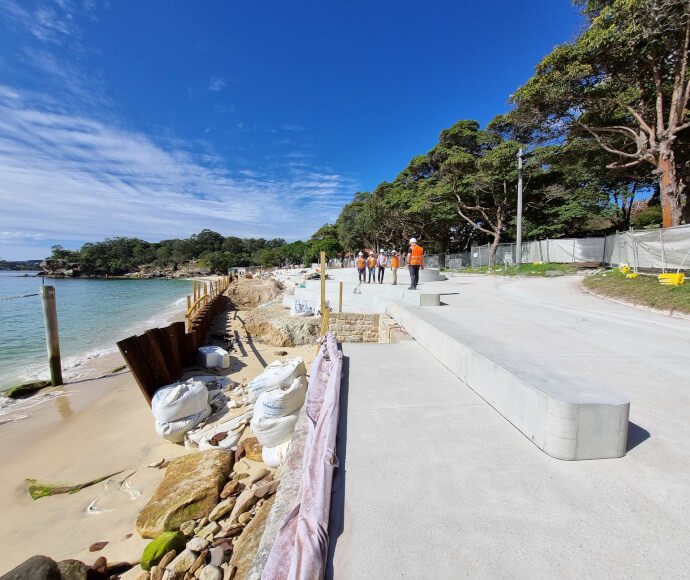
x,y
565,416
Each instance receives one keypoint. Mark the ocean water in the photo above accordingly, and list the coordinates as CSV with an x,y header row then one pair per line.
x,y
92,316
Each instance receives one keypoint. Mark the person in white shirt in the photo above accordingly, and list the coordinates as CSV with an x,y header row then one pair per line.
x,y
381,263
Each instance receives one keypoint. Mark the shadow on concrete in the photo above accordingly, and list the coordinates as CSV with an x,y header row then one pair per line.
x,y
636,435
336,522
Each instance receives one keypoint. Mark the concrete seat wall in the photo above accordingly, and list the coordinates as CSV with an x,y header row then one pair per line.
x,y
565,416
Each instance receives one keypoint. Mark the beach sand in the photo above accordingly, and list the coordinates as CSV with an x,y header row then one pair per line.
x,y
99,427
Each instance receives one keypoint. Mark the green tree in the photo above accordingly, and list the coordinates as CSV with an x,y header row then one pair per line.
x,y
623,83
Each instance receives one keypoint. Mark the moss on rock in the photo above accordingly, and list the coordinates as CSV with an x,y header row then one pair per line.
x,y
161,546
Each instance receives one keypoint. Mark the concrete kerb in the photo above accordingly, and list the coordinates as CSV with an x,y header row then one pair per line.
x,y
563,417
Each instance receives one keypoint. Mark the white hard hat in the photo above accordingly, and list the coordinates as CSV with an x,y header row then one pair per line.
x,y
361,254
383,252
413,240
394,252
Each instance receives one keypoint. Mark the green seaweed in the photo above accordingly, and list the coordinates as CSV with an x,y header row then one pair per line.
x,y
26,389
117,369
38,490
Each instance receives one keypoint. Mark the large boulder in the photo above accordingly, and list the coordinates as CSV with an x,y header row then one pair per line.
x,y
189,491
167,541
35,568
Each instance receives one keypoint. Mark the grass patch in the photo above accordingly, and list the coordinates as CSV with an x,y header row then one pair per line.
x,y
523,270
26,389
644,290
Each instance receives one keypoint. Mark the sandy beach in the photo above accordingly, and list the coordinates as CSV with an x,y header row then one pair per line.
x,y
94,428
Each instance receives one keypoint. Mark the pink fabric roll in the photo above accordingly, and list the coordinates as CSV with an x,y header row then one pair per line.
x,y
301,547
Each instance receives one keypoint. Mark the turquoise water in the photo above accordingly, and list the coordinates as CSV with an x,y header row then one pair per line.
x,y
92,316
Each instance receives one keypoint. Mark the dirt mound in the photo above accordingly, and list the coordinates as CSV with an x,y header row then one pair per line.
x,y
246,294
274,325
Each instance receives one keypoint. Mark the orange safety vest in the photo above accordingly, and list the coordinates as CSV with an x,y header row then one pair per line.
x,y
395,262
416,256
361,262
372,261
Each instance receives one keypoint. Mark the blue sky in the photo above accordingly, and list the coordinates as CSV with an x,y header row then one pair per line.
x,y
158,119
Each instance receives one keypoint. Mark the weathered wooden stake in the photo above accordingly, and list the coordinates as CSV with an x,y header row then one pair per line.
x,y
340,302
323,283
52,339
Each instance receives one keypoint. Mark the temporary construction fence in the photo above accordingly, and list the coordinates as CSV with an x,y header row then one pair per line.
x,y
661,249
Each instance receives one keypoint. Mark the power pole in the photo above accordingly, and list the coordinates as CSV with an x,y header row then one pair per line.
x,y
518,249
52,340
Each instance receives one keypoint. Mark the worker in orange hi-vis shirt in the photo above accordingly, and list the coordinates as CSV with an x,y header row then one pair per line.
x,y
361,265
415,261
395,264
371,266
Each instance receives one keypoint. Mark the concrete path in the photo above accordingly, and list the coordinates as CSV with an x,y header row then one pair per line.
x,y
434,483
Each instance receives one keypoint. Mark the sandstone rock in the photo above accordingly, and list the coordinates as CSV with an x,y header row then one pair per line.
x,y
183,562
188,528
230,572
258,475
208,530
169,557
222,508
239,452
157,573
230,488
200,562
100,565
244,501
166,542
266,489
244,518
253,449
73,570
211,573
248,543
39,567
189,490
217,555
197,544
239,476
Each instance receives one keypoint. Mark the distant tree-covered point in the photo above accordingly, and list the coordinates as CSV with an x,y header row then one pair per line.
x,y
209,249
20,265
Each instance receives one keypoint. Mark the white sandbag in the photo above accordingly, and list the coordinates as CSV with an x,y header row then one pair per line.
x,y
230,441
300,309
276,375
272,431
235,424
179,400
282,401
174,431
275,456
214,356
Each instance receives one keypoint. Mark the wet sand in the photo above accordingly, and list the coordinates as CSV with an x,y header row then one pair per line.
x,y
99,427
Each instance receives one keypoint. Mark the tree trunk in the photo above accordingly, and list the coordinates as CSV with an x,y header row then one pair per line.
x,y
494,246
670,188
442,246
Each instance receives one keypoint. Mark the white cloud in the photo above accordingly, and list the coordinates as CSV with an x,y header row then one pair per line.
x,y
71,177
216,84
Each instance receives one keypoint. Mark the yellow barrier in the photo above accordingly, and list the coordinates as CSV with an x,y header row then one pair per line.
x,y
672,279
631,275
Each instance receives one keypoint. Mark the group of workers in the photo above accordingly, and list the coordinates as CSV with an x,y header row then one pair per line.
x,y
415,261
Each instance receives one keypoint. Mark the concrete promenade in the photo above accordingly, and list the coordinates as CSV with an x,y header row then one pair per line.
x,y
434,483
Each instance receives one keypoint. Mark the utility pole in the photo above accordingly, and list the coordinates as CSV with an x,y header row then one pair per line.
x,y
52,340
518,249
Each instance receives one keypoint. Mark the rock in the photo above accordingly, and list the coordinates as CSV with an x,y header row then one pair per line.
x,y
253,449
239,452
231,532
36,567
222,508
183,562
189,490
280,353
156,573
260,474
197,544
239,476
169,557
188,528
266,489
245,518
200,561
211,573
230,572
217,555
100,565
73,570
247,544
230,488
244,501
209,530
173,575
97,547
166,542
203,521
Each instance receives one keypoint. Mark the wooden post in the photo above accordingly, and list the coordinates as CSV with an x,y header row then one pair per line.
x,y
52,338
324,326
340,302
323,283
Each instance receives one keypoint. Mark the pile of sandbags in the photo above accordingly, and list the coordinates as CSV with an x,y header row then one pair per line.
x,y
279,394
180,407
214,356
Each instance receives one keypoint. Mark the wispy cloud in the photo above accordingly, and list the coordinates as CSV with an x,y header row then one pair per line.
x,y
72,177
216,84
